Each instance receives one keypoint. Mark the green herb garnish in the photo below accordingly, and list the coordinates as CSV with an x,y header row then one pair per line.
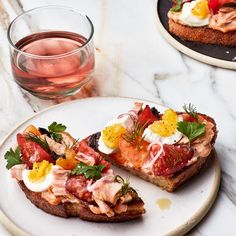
x,y
55,129
38,140
177,8
191,110
13,157
125,184
191,129
90,172
133,136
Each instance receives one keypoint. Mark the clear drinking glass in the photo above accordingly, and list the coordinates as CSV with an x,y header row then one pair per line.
x,y
52,51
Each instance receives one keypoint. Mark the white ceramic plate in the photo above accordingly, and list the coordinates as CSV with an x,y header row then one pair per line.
x,y
84,117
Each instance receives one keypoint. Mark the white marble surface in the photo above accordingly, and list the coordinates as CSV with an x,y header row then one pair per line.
x,y
135,61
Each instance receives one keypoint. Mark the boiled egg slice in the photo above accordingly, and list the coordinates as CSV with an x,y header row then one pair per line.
x,y
165,130
109,139
40,178
195,13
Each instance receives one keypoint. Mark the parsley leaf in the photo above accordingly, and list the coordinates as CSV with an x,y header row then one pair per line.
x,y
54,130
191,129
57,137
12,157
90,172
177,8
56,127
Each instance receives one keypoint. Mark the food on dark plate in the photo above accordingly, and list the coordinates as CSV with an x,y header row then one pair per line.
x,y
204,21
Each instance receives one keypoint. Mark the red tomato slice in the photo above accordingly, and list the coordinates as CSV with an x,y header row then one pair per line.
x,y
146,117
173,159
216,4
31,151
187,117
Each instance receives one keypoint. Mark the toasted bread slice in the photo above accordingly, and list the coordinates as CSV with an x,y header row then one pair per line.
x,y
202,34
172,182
94,193
168,183
81,209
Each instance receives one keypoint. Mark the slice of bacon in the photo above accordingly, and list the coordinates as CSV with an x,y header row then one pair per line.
x,y
49,196
17,170
120,208
60,177
102,208
82,147
108,192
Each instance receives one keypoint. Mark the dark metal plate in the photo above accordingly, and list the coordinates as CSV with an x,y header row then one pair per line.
x,y
227,54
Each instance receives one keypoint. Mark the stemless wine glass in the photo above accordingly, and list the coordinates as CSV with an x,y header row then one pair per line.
x,y
52,51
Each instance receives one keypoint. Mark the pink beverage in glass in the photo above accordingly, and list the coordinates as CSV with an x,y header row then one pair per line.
x,y
52,63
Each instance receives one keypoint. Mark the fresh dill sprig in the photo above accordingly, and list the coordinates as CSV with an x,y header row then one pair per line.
x,y
133,135
75,142
36,139
125,184
191,110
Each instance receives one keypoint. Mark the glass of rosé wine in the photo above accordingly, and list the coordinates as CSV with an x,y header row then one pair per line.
x,y
52,51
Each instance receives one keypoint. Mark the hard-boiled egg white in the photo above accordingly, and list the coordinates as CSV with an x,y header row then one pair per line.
x,y
102,144
164,131
195,13
151,137
43,177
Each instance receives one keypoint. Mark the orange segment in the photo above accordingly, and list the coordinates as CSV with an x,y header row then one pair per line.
x,y
69,162
31,129
66,164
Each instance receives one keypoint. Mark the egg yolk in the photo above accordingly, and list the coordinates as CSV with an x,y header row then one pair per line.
x,y
111,135
201,9
39,171
167,126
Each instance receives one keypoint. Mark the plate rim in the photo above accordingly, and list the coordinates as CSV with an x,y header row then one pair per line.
x,y
187,51
181,230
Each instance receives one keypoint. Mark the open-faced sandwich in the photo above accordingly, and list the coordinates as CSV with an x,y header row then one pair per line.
x,y
65,177
165,149
205,21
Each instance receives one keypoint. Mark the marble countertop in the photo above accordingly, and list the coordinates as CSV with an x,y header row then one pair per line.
x,y
133,60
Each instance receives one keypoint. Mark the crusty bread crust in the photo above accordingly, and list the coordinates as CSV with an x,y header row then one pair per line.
x,y
171,183
202,34
81,210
